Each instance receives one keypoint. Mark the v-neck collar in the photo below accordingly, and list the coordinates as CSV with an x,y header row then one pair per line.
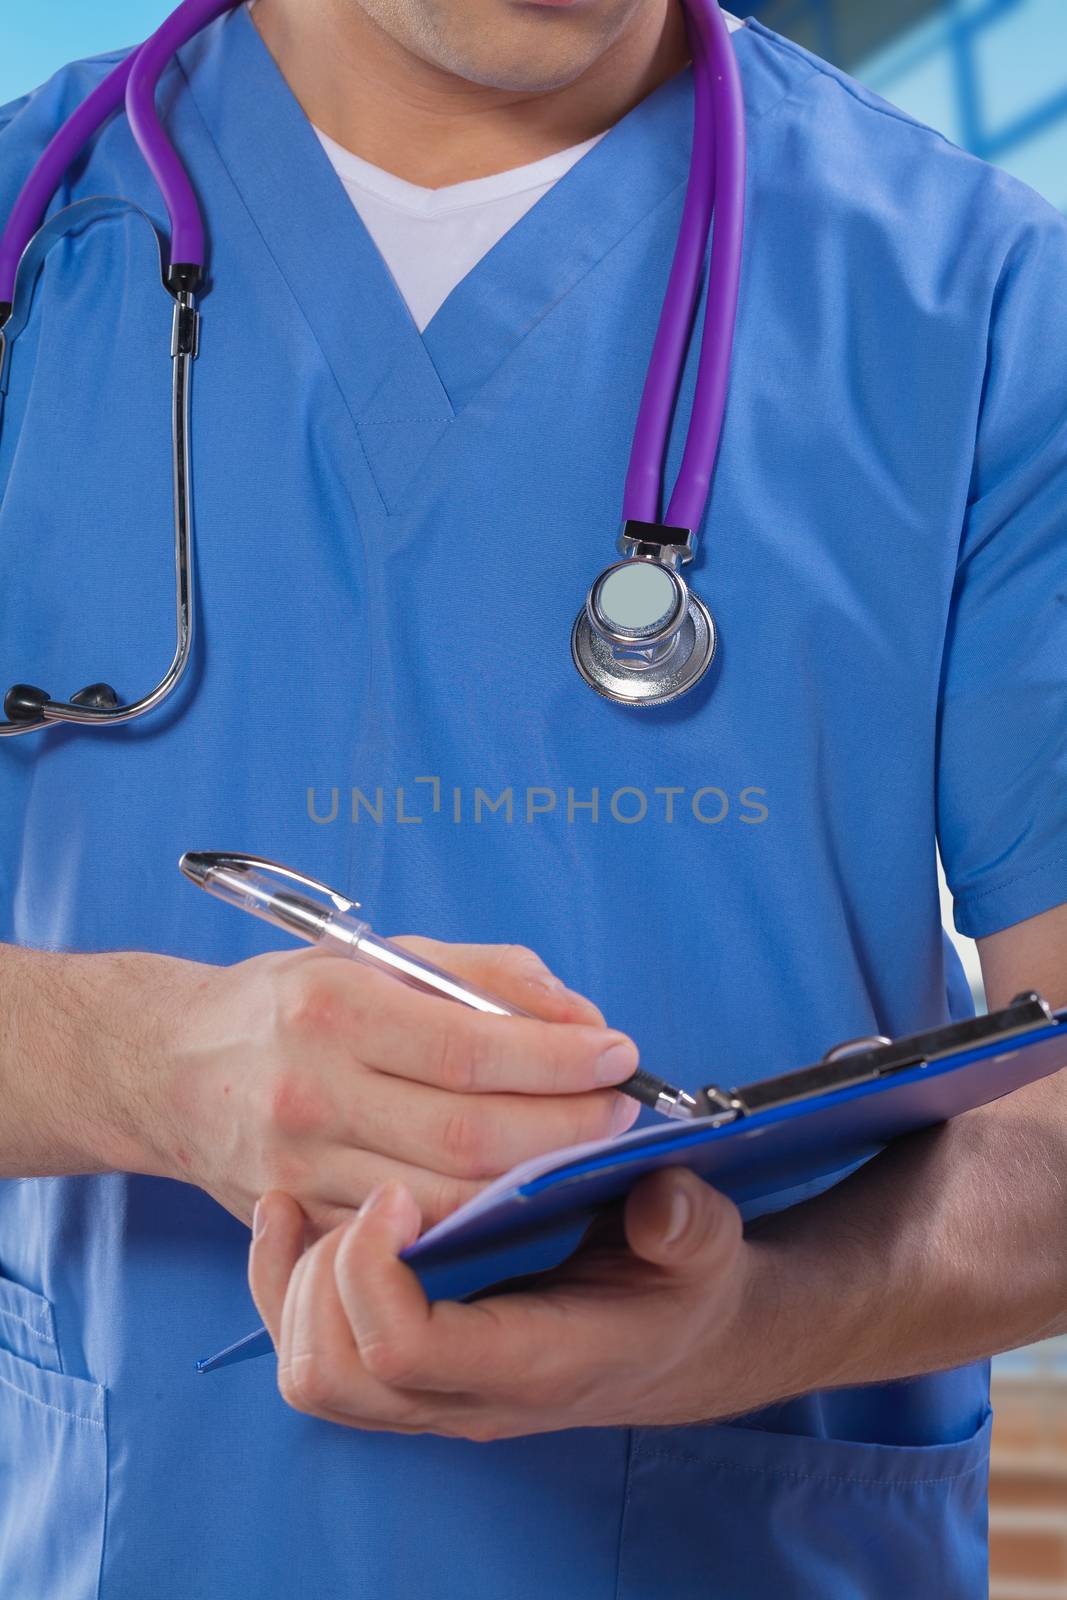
x,y
335,273
299,206
638,164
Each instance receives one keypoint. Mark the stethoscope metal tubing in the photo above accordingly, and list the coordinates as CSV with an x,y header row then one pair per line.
x,y
185,338
63,711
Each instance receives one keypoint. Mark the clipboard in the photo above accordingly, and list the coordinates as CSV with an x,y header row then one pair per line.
x,y
758,1144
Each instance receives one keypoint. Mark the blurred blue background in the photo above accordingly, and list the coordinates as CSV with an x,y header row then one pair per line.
x,y
40,35
991,74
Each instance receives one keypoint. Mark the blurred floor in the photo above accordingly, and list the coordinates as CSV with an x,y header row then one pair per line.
x,y
1028,1476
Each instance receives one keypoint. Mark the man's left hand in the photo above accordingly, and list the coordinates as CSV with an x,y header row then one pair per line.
x,y
644,1328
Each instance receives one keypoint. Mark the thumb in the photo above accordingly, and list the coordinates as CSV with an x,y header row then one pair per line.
x,y
675,1220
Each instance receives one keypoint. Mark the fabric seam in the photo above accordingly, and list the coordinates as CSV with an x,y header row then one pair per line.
x,y
818,1477
971,899
74,1416
626,1497
389,422
107,1499
41,1333
853,90
236,189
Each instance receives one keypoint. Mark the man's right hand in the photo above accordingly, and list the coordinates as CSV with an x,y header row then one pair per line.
x,y
317,1075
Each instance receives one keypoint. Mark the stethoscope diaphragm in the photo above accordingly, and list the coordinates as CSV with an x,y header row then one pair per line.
x,y
642,638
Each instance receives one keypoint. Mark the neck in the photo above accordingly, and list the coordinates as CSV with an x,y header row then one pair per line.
x,y
430,127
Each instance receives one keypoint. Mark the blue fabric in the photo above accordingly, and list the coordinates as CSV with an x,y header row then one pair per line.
x,y
395,534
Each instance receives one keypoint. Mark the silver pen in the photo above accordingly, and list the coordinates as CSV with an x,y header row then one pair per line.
x,y
323,917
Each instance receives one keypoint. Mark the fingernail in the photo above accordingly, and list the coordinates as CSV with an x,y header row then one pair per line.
x,y
678,1218
372,1199
258,1220
580,1000
541,978
617,1062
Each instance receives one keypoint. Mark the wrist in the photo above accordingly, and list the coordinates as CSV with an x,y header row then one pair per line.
x,y
126,1052
101,1028
804,1321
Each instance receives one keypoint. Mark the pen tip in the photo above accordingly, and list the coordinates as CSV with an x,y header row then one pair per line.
x,y
194,865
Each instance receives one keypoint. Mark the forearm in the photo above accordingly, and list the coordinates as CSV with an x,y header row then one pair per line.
x,y
72,1057
948,1248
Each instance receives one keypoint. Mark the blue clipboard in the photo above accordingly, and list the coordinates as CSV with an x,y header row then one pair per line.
x,y
757,1144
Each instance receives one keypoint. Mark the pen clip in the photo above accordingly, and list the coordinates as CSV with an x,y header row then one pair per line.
x,y
208,860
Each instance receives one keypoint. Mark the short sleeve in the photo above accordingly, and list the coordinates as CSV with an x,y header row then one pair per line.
x,y
1002,725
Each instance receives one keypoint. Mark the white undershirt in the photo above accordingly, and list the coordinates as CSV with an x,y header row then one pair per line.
x,y
431,238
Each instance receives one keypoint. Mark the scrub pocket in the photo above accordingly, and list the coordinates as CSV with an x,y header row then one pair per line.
x,y
734,1513
53,1460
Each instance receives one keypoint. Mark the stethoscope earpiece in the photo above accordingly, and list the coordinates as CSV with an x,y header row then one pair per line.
x,y
99,696
24,702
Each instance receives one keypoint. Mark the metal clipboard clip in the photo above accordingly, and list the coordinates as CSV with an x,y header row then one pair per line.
x,y
866,1059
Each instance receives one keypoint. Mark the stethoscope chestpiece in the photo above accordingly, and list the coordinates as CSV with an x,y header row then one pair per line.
x,y
642,638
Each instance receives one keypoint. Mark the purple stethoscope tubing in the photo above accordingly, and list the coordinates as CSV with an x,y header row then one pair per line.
x,y
134,81
644,477
186,222
47,174
716,183
644,663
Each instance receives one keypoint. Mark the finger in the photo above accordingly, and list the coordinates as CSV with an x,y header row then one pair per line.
x,y
319,1366
473,1137
431,1040
344,1177
391,1321
277,1245
673,1219
489,1348
509,972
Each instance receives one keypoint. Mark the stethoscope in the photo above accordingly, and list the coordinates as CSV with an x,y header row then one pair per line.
x,y
642,638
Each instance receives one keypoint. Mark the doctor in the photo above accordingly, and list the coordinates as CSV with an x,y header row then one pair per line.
x,y
440,232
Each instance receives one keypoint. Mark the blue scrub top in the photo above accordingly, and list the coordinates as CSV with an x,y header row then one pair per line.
x,y
395,532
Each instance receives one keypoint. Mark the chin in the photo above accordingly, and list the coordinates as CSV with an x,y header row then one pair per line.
x,y
521,76
523,47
